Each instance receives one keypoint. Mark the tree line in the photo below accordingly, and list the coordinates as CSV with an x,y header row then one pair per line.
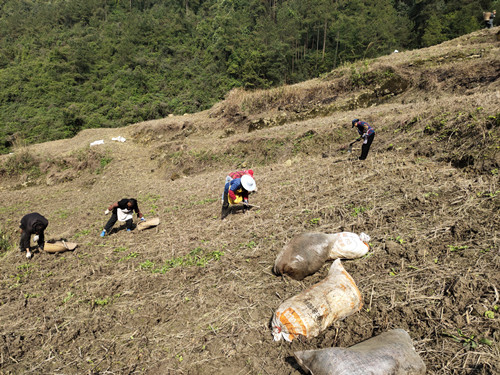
x,y
68,65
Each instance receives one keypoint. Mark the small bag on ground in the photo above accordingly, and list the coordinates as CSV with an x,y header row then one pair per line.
x,y
307,253
149,223
316,308
59,246
391,353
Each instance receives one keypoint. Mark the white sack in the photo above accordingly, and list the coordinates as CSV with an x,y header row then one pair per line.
x,y
316,308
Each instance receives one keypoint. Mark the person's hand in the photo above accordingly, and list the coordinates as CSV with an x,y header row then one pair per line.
x,y
35,238
28,255
106,212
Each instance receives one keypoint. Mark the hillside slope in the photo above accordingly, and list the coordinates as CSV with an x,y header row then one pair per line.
x,y
196,294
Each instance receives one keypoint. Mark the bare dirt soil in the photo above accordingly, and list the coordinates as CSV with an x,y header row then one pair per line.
x,y
196,294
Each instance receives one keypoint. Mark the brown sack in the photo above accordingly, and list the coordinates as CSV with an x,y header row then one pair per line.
x,y
303,255
307,253
391,353
148,223
316,308
59,246
487,16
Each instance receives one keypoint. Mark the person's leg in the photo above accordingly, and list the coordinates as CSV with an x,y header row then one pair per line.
x,y
366,147
41,240
24,242
225,204
128,224
112,220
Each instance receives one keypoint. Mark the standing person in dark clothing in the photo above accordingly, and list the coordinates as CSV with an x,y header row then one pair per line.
x,y
36,224
122,211
367,133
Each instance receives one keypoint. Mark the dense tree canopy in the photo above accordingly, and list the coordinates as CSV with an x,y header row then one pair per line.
x,y
67,65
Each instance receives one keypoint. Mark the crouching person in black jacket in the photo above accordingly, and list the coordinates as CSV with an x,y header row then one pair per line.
x,y
36,224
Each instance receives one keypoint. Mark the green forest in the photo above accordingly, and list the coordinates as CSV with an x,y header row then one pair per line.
x,y
68,65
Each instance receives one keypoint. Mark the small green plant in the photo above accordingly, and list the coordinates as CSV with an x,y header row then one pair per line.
x,y
357,210
69,295
250,244
457,248
393,272
147,265
398,239
101,301
103,162
468,341
4,242
62,213
196,257
431,194
120,249
31,295
489,314
315,221
130,256
81,233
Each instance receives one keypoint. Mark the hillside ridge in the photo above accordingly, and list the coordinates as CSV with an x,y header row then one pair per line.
x,y
196,294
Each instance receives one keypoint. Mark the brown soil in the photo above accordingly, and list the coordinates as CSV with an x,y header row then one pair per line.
x,y
196,294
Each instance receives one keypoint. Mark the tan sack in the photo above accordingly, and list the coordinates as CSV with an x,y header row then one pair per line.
x,y
391,353
486,16
316,308
59,246
149,223
307,252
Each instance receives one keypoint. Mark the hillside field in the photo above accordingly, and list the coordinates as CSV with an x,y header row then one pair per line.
x,y
196,294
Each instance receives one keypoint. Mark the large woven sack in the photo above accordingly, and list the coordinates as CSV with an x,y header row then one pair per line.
x,y
149,223
303,255
391,353
59,246
316,308
307,252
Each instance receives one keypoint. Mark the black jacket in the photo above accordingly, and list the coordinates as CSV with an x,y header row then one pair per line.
x,y
29,221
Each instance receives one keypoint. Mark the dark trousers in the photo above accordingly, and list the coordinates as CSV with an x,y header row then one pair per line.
x,y
24,243
113,219
366,147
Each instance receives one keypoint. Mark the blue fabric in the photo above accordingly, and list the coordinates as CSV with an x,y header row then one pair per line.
x,y
234,185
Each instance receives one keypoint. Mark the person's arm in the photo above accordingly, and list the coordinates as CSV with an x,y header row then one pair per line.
x,y
138,212
113,206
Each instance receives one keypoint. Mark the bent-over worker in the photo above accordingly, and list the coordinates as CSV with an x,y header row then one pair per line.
x,y
367,133
122,211
237,191
32,223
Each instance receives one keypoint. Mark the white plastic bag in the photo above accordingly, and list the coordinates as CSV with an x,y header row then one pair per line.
x,y
307,252
95,143
316,308
349,245
391,353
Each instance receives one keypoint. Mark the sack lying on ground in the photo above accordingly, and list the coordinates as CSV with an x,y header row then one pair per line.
x,y
316,308
149,223
306,253
391,353
59,246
